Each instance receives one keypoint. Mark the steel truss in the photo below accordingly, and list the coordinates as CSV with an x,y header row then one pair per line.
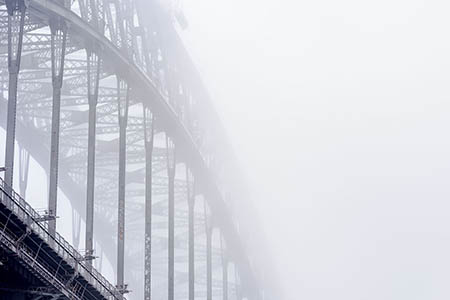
x,y
107,101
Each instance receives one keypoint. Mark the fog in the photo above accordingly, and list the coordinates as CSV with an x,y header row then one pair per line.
x,y
338,112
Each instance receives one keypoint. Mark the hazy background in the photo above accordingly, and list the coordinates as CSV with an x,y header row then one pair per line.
x,y
339,112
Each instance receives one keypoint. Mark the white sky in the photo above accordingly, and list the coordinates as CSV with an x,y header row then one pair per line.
x,y
339,112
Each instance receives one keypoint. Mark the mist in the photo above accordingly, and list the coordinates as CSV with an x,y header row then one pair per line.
x,y
338,113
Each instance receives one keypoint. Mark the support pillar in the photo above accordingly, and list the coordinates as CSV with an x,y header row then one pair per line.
x,y
209,263
58,51
76,228
208,233
100,261
93,79
148,137
237,280
123,93
191,206
16,21
24,167
224,271
171,163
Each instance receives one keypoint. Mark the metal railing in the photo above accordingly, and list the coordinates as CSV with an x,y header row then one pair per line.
x,y
70,255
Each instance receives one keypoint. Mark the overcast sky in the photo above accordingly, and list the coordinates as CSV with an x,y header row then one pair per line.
x,y
340,113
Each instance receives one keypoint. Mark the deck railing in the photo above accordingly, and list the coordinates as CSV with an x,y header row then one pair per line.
x,y
23,210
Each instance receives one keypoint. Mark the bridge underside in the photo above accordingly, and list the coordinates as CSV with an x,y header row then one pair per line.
x,y
19,282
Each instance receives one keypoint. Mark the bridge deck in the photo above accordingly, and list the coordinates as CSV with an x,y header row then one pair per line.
x,y
43,259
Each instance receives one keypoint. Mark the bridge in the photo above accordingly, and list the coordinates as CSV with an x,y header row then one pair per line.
x,y
103,96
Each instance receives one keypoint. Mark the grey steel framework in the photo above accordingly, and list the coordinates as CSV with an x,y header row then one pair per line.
x,y
103,95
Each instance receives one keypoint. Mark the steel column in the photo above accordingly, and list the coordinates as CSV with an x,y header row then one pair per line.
x,y
123,103
16,20
24,167
58,51
171,164
237,284
93,78
209,262
191,206
208,233
224,270
148,140
100,261
76,228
